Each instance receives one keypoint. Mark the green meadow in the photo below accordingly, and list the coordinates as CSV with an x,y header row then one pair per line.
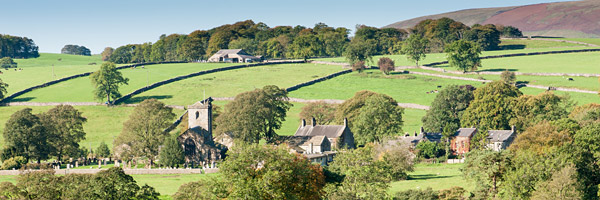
x,y
434,176
81,89
230,83
508,44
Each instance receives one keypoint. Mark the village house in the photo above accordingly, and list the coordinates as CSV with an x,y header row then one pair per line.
x,y
340,136
233,56
500,139
316,148
461,143
197,140
422,136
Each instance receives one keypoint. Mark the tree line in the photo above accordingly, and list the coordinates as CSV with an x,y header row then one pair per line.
x,y
76,50
304,42
17,47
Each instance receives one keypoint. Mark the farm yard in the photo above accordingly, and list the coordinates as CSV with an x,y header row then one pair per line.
x,y
105,123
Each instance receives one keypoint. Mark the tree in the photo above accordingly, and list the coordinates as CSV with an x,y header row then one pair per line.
x,y
562,185
358,66
491,107
350,109
544,136
427,194
586,152
415,47
386,65
448,107
463,55
508,77
487,36
428,150
487,168
323,112
25,133
3,87
107,81
360,50
254,115
260,172
171,153
108,51
7,62
75,50
378,119
144,132
64,127
17,47
103,151
529,110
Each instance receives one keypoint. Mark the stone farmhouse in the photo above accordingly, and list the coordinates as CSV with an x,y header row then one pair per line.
x,y
422,136
233,56
197,140
316,148
340,136
501,139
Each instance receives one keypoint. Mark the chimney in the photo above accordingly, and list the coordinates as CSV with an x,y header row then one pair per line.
x,y
310,148
303,123
415,134
314,122
422,130
512,128
345,121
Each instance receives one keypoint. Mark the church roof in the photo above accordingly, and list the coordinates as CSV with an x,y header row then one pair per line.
x,y
201,104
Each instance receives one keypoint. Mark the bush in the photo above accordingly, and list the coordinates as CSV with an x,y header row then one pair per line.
x,y
37,166
427,194
14,163
7,62
386,65
358,66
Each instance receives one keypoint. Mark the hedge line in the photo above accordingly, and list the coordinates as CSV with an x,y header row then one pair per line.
x,y
19,93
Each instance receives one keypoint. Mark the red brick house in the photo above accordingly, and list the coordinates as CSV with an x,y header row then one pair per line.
x,y
461,143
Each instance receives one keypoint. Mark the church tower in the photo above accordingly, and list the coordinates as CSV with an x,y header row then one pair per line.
x,y
200,117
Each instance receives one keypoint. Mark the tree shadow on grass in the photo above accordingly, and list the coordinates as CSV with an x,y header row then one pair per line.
x,y
512,47
496,70
22,99
398,73
426,177
139,99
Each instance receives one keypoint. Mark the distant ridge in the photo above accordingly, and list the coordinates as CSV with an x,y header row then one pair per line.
x,y
561,19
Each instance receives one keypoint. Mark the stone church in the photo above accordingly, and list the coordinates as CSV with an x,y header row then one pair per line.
x,y
197,140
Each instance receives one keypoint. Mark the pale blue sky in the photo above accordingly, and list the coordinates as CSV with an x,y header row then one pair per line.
x,y
98,24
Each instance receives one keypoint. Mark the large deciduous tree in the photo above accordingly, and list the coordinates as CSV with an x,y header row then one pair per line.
x,y
8,62
64,127
144,132
378,119
254,115
323,112
260,172
76,50
350,109
360,50
106,53
491,107
3,87
25,133
487,168
415,47
107,81
464,55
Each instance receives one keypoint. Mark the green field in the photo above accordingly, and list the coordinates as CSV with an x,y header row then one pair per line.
x,y
509,44
553,63
39,70
403,88
595,41
401,60
104,123
436,176
81,89
231,83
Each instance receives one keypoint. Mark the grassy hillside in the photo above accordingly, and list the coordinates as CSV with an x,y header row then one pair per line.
x,y
553,63
403,88
231,83
509,44
81,89
40,70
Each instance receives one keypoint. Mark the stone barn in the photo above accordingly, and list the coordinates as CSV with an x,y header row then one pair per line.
x,y
197,140
233,56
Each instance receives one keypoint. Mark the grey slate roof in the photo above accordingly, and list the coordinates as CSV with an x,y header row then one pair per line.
x,y
231,51
465,132
432,137
331,131
499,135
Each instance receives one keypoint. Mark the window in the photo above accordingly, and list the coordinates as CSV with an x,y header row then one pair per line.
x,y
197,114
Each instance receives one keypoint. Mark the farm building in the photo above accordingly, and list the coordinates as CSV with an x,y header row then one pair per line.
x,y
339,136
500,139
422,136
233,56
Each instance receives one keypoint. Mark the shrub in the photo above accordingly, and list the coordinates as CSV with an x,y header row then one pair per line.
x,y
386,65
427,194
14,162
358,66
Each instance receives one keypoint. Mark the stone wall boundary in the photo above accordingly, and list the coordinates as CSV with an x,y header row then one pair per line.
x,y
49,83
183,77
127,171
